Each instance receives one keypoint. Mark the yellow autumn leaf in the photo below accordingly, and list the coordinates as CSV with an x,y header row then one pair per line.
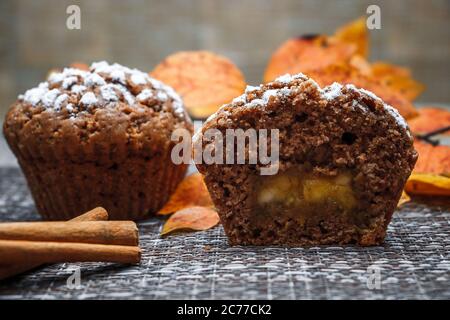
x,y
403,199
428,184
355,33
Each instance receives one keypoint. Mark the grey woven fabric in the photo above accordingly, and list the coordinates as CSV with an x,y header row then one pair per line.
x,y
414,263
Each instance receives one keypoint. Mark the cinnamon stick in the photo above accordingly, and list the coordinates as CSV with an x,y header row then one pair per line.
x,y
32,252
96,214
95,232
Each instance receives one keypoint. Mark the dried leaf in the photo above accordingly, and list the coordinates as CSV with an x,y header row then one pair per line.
x,y
355,33
190,192
428,184
398,79
346,74
432,159
79,65
430,119
342,58
204,80
362,65
403,199
192,218
307,53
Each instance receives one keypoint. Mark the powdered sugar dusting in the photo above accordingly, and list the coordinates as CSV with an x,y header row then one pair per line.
x,y
287,78
56,77
366,92
93,79
69,81
400,120
161,96
177,103
242,98
256,103
103,82
332,92
392,111
88,99
108,93
60,100
118,75
35,95
49,97
285,91
356,104
249,89
139,78
129,98
78,88
276,93
144,95
269,93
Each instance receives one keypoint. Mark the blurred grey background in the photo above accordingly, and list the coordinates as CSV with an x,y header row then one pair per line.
x,y
34,37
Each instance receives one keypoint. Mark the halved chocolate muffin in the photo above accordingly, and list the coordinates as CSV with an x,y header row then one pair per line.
x,y
344,157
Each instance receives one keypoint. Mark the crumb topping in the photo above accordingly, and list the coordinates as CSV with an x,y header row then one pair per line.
x,y
283,86
103,86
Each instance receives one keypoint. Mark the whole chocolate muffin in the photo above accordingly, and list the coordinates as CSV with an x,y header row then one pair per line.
x,y
98,138
344,157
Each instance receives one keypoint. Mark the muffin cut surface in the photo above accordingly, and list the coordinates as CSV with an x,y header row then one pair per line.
x,y
344,157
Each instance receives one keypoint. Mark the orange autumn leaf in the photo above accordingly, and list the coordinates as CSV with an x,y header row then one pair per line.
x,y
361,65
428,184
311,52
347,74
79,65
432,159
355,33
190,192
397,78
403,199
307,53
342,58
205,80
430,119
192,218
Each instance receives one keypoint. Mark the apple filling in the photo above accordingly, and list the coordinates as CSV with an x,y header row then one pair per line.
x,y
301,194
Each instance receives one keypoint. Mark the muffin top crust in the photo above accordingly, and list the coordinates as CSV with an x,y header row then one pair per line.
x,y
109,110
74,91
338,126
288,86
